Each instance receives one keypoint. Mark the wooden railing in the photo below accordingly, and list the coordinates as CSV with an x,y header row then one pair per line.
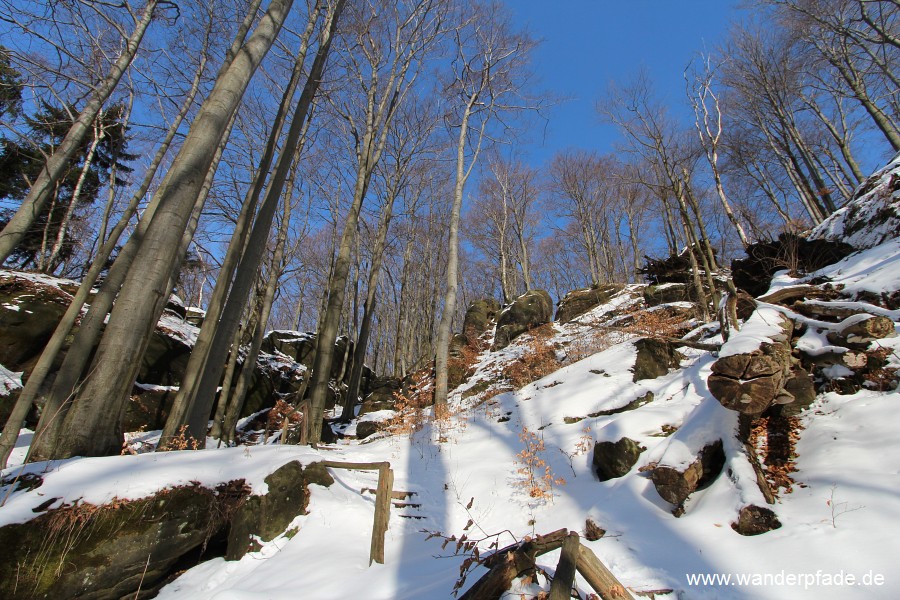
x,y
382,502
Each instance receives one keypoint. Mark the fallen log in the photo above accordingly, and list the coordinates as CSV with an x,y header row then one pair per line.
x,y
790,293
860,330
599,577
837,310
512,562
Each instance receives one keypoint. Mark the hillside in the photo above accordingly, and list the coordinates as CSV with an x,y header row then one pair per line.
x,y
521,452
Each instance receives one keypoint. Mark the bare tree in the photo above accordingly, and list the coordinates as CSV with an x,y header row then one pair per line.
x,y
488,80
708,123
93,423
42,188
583,190
391,40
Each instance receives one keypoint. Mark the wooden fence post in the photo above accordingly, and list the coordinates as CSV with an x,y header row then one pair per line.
x,y
382,512
383,495
561,588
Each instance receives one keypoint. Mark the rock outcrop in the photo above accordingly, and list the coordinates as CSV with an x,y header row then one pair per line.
x,y
266,517
577,302
530,310
110,551
654,359
750,381
674,485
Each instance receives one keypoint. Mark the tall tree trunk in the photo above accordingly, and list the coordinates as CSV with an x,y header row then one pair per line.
x,y
88,429
248,324
61,395
442,349
56,165
236,402
210,333
197,409
362,339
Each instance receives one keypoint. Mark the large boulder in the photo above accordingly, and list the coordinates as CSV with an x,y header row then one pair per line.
x,y
872,216
382,395
268,516
530,310
578,302
654,359
615,459
674,485
297,345
480,315
301,346
29,312
665,293
750,382
110,551
165,360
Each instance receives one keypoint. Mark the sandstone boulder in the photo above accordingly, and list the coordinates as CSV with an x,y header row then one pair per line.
x,y
530,310
615,459
578,302
675,485
654,359
750,382
756,520
267,516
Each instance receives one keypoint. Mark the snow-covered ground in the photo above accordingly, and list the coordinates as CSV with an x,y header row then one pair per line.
x,y
837,540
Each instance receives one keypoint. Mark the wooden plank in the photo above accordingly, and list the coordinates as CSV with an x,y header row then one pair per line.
x,y
351,466
396,494
599,577
382,513
564,579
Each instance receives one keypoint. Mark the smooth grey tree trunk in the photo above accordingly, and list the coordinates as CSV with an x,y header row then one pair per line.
x,y
442,350
362,339
237,245
88,429
379,112
236,401
198,410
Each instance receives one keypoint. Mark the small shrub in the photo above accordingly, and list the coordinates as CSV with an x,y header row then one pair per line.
x,y
656,324
537,476
538,360
183,441
588,344
283,413
408,418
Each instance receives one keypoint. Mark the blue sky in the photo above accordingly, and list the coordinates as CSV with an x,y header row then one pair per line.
x,y
588,43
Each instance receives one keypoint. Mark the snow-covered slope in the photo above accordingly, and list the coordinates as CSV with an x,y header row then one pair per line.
x,y
469,474
838,521
872,217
